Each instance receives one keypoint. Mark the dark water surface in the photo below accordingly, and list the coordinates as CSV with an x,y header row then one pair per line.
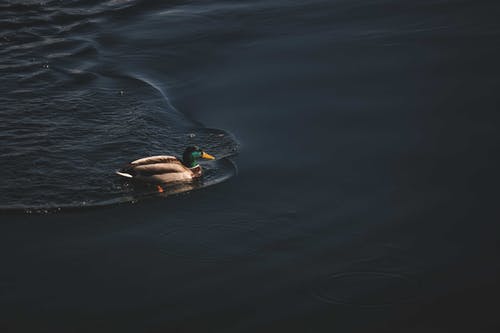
x,y
366,194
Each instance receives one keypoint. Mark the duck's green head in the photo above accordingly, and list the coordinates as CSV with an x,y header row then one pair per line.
x,y
192,154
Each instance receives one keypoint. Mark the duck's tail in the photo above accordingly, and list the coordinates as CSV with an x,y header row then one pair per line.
x,y
124,174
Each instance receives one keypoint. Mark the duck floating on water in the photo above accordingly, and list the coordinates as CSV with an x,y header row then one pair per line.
x,y
164,169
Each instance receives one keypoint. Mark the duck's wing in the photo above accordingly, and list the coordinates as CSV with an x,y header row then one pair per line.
x,y
155,160
159,168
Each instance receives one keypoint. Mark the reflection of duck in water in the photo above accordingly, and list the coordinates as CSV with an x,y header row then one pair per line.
x,y
166,169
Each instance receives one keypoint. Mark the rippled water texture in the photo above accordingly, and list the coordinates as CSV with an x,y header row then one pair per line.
x,y
72,112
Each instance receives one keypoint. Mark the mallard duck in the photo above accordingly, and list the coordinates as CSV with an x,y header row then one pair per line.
x,y
163,169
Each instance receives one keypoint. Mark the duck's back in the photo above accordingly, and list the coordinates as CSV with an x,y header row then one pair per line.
x,y
155,160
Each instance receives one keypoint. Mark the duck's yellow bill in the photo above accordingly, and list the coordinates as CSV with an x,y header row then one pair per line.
x,y
207,156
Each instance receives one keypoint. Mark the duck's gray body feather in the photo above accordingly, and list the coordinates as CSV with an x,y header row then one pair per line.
x,y
159,169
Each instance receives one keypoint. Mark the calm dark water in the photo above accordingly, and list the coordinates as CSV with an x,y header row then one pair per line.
x,y
365,138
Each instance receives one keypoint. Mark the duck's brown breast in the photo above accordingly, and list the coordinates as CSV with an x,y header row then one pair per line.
x,y
197,172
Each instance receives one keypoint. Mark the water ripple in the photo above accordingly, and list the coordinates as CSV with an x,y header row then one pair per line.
x,y
70,117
